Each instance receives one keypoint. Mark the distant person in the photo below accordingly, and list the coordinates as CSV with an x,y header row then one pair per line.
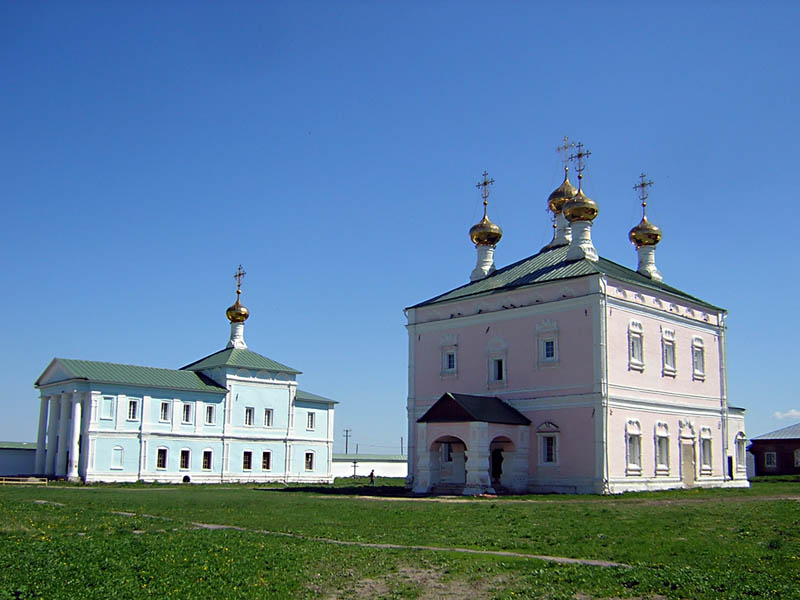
x,y
372,477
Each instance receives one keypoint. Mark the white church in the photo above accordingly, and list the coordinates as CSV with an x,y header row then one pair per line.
x,y
232,416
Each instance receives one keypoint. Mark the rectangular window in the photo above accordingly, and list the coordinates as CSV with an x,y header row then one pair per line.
x,y
266,460
705,450
267,417
309,461
187,413
446,452
698,359
548,449
247,460
549,349
310,421
116,457
107,407
450,361
498,372
210,415
662,453
449,357
161,458
164,414
207,457
133,409
669,353
248,415
770,460
635,346
185,459
634,451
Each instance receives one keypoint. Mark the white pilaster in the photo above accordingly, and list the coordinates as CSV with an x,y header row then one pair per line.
x,y
63,422
581,244
485,265
52,436
647,262
41,437
74,452
237,336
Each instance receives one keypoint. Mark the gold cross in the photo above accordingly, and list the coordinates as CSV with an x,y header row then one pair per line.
x,y
580,157
238,277
642,186
564,150
485,185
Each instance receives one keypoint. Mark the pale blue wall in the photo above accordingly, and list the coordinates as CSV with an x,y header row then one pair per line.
x,y
238,448
259,397
320,410
299,450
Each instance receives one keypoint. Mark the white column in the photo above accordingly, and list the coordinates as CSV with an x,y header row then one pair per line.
x,y
74,451
237,336
581,245
63,421
485,264
478,473
647,263
52,434
41,437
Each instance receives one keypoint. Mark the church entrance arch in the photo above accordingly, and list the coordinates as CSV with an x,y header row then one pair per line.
x,y
501,449
449,453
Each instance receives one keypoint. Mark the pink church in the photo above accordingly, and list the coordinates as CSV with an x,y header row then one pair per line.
x,y
566,372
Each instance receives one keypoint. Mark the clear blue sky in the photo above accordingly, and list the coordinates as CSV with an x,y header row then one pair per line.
x,y
333,149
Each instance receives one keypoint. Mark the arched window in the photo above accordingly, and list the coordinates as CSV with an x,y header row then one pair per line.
x,y
705,451
662,448
741,452
633,445
635,346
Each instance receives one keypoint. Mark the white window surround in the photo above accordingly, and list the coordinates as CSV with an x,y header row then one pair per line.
x,y
548,443
698,359
211,414
668,359
741,452
208,459
266,460
705,451
133,409
662,448
311,421
117,455
635,346
164,412
162,456
633,447
770,460
268,417
249,416
107,408
547,342
185,460
186,413
448,346
309,460
497,365
247,460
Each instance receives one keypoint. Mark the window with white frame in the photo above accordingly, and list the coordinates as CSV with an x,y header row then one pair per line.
x,y
698,359
547,342
211,414
662,448
266,460
185,460
497,355
310,420
247,460
161,458
705,450
208,456
267,417
309,461
116,457
133,409
107,407
449,355
635,346
249,415
164,412
186,415
449,362
547,434
668,364
741,452
633,446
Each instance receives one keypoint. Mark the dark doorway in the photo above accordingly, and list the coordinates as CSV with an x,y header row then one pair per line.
x,y
497,464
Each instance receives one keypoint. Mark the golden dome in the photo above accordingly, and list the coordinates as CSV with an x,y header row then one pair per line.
x,y
485,233
645,234
237,313
580,208
561,194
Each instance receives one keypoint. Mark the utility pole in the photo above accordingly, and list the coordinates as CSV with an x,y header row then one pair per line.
x,y
347,434
401,446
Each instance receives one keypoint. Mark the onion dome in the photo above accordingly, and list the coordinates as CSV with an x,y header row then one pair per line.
x,y
237,313
561,194
645,234
580,208
485,233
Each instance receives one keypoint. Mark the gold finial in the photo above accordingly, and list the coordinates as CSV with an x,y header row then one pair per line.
x,y
238,313
642,186
485,233
564,151
580,157
485,191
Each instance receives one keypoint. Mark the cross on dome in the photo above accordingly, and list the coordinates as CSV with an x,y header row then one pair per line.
x,y
642,186
485,191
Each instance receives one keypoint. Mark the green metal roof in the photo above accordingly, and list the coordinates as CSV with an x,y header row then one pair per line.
x,y
239,358
303,395
369,457
548,265
18,445
465,408
105,372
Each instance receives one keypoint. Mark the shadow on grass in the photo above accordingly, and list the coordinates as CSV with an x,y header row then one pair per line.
x,y
378,491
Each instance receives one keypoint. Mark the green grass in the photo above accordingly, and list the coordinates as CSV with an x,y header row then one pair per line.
x,y
680,544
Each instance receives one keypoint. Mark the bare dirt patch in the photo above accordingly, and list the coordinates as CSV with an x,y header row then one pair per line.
x,y
430,584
